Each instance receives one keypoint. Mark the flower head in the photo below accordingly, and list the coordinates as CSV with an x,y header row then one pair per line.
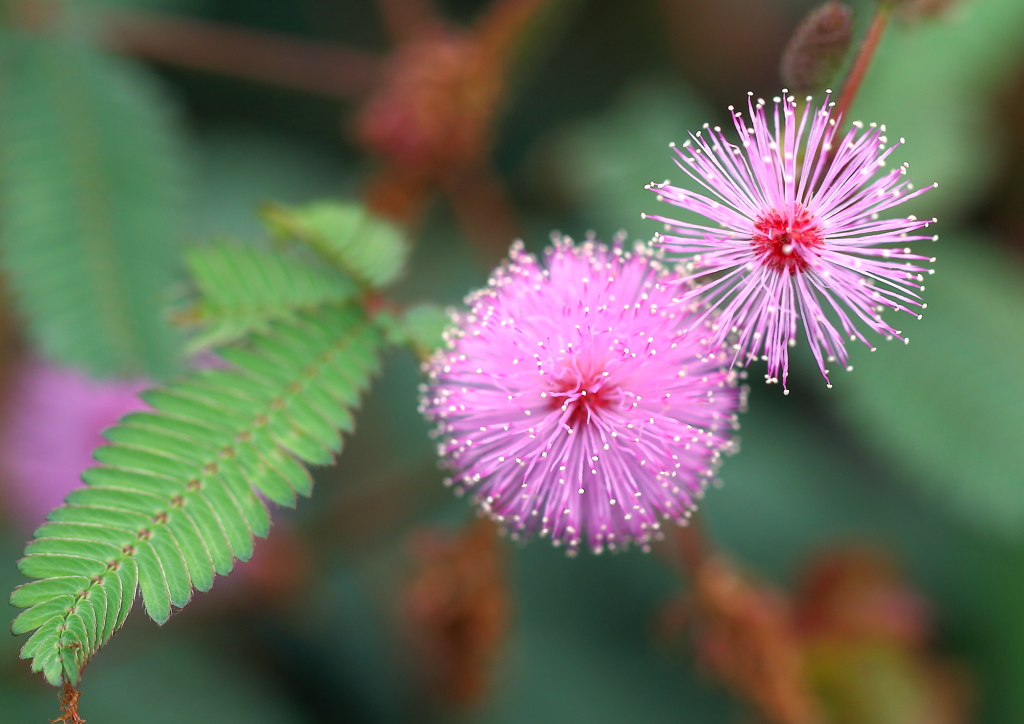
x,y
796,233
572,404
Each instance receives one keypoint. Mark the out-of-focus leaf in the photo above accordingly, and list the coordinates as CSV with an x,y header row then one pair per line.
x,y
933,82
948,409
371,249
797,486
89,186
422,326
243,289
604,163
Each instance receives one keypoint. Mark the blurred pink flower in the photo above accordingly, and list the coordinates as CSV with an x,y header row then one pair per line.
x,y
52,424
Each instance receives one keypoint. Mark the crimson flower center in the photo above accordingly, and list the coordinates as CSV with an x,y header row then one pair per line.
x,y
787,241
581,396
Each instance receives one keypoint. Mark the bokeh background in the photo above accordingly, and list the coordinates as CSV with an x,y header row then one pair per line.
x,y
885,517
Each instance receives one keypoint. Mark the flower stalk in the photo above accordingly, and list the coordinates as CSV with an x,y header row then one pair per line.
x,y
865,54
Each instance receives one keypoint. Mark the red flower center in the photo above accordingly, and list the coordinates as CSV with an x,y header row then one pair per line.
x,y
581,394
789,240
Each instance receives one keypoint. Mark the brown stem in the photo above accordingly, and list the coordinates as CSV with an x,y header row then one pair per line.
x,y
863,60
744,632
407,20
484,212
271,58
398,195
695,547
501,25
69,706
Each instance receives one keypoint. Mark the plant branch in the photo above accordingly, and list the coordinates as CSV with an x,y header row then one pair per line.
x,y
69,706
407,20
865,54
502,23
744,631
485,212
263,57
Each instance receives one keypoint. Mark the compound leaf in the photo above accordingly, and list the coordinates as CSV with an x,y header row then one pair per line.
x,y
89,179
371,250
243,289
177,495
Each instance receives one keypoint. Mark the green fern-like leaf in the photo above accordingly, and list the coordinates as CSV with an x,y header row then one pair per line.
x,y
372,250
176,497
243,289
89,186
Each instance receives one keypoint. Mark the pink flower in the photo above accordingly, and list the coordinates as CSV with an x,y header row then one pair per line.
x,y
796,234
53,423
571,403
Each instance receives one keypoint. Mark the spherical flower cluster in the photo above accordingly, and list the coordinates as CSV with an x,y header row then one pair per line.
x,y
53,422
573,404
795,234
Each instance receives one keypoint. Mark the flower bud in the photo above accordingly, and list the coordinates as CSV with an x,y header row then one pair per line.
x,y
817,47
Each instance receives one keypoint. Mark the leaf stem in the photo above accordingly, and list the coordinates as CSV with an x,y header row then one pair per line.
x,y
865,54
69,706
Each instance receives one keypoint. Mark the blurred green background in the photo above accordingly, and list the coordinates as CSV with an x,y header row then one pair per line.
x,y
916,452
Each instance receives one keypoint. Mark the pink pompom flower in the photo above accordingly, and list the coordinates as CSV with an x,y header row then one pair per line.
x,y
571,403
795,234
54,421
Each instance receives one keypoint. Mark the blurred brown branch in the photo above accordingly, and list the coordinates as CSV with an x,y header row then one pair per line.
x,y
502,24
407,20
726,47
256,55
744,633
431,122
457,609
430,107
272,58
850,647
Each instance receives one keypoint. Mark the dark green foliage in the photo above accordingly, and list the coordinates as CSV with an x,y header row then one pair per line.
x,y
946,409
244,288
177,495
372,250
604,163
89,184
951,137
